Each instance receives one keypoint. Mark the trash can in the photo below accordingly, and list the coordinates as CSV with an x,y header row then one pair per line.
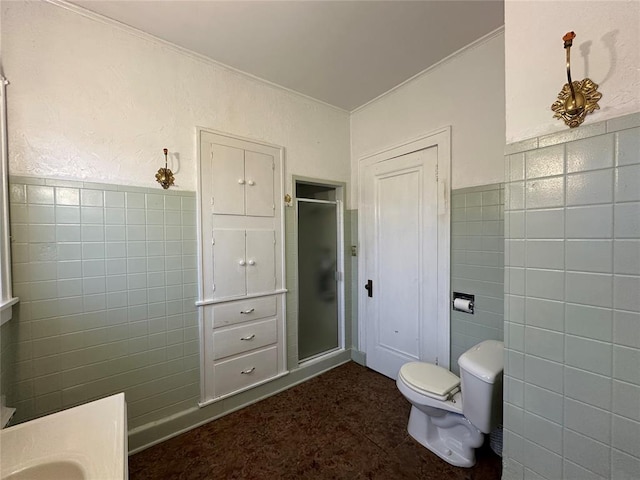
x,y
495,440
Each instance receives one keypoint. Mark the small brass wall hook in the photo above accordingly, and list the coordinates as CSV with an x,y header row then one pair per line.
x,y
165,176
576,98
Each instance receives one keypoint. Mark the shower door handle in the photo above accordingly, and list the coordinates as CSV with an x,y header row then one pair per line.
x,y
369,287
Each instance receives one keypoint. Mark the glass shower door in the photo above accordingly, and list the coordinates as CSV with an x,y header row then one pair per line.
x,y
317,282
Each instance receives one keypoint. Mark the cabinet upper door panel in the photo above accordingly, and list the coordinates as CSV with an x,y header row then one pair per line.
x,y
228,179
229,263
261,269
259,170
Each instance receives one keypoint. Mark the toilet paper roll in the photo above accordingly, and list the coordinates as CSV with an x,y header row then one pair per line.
x,y
463,304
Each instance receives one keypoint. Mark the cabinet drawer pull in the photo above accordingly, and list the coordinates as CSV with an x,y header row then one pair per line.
x,y
248,371
246,312
250,337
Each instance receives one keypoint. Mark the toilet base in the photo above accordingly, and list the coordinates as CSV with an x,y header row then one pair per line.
x,y
450,436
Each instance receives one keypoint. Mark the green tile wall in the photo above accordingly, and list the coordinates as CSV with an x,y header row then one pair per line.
x,y
572,304
352,262
477,265
106,276
350,274
291,264
107,280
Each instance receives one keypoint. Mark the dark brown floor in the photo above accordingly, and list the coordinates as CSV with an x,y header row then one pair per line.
x,y
348,423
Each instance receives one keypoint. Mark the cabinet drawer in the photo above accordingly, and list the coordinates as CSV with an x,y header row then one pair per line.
x,y
232,375
243,310
244,338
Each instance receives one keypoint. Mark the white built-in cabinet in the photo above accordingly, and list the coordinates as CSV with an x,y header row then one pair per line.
x,y
243,183
243,262
242,291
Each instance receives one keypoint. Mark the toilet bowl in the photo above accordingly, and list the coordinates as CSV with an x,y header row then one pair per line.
x,y
440,419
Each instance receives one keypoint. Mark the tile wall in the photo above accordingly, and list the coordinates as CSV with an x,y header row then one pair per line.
x,y
572,304
477,265
106,277
352,261
107,280
350,277
291,266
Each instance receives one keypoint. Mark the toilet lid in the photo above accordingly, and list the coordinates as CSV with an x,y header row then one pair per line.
x,y
431,379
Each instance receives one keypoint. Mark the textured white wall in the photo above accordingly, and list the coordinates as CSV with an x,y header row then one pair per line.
x,y
91,101
606,49
466,92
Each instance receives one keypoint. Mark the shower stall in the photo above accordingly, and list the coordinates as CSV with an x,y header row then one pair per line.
x,y
320,259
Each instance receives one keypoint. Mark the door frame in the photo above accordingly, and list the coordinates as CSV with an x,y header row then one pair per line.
x,y
441,139
340,188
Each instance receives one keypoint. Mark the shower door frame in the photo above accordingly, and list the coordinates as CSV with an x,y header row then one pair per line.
x,y
340,277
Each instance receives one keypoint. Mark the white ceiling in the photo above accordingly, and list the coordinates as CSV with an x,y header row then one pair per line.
x,y
344,53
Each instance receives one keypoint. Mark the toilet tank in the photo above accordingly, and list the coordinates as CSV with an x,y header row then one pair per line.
x,y
481,370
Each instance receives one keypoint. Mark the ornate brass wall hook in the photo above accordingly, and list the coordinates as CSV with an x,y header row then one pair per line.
x,y
576,98
165,176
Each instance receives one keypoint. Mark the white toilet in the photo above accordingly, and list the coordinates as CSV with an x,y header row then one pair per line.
x,y
440,419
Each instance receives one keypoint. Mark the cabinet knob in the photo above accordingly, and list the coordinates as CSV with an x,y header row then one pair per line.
x,y
242,263
251,183
241,181
252,262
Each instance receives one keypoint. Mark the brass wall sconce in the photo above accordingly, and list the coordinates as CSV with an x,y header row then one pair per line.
x,y
576,98
164,176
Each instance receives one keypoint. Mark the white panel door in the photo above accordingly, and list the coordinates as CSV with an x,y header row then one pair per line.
x,y
259,170
261,268
227,179
401,261
229,263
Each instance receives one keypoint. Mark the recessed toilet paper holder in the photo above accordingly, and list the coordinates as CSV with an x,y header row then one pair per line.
x,y
465,303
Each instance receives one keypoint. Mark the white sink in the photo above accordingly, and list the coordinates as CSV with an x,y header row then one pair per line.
x,y
62,470
85,442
